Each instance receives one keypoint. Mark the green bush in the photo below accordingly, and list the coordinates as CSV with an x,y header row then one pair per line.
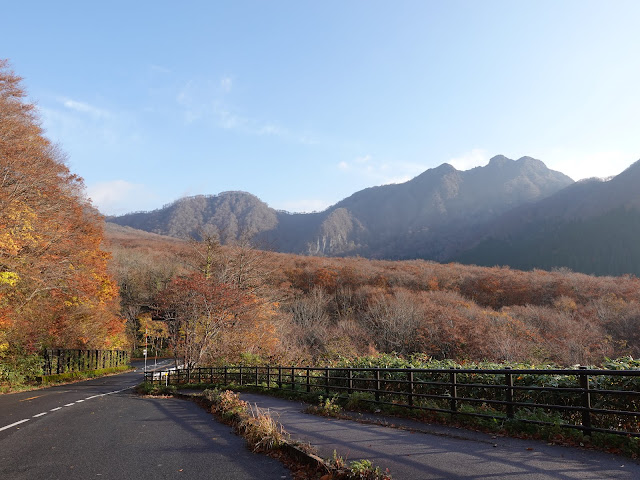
x,y
17,368
360,401
147,388
327,407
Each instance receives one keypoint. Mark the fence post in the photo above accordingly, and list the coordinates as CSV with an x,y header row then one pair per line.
x,y
240,375
326,380
280,376
410,375
45,364
586,402
308,381
378,384
293,379
509,392
453,377
224,372
257,376
350,377
268,377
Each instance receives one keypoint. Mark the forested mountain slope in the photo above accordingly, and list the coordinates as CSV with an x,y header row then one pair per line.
x,y
427,217
592,226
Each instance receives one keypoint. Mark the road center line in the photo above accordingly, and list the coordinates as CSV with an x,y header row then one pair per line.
x,y
54,409
14,424
79,401
69,404
30,398
40,414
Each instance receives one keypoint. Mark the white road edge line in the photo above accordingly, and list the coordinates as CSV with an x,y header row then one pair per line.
x,y
58,408
14,424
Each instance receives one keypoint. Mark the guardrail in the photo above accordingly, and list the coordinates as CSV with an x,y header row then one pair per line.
x,y
60,360
590,400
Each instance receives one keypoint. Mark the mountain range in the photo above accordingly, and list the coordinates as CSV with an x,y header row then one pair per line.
x,y
509,212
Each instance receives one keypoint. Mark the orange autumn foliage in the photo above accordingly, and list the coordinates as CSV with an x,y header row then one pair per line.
x,y
54,286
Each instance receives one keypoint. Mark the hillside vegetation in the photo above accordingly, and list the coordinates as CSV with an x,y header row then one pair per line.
x,y
315,310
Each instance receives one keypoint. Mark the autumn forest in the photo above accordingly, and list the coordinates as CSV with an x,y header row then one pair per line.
x,y
70,280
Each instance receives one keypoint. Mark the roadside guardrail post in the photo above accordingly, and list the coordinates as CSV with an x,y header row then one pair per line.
x,y
410,378
453,379
509,392
326,380
586,401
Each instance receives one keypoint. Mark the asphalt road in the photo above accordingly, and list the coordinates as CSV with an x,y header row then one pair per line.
x,y
434,452
101,429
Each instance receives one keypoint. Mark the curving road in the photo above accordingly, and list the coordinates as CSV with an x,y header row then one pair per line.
x,y
101,429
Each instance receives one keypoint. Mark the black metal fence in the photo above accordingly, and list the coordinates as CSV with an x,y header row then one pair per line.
x,y
589,400
58,360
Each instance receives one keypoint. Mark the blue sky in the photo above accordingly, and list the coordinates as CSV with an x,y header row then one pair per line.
x,y
304,103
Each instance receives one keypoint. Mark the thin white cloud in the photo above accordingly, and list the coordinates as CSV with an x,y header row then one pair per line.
x,y
303,205
226,83
120,196
581,164
228,120
370,170
271,129
207,102
159,69
475,158
83,107
71,128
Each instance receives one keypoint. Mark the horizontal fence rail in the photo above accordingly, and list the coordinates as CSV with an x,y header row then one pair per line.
x,y
59,360
605,401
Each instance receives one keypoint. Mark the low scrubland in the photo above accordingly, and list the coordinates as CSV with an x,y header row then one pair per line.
x,y
235,304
